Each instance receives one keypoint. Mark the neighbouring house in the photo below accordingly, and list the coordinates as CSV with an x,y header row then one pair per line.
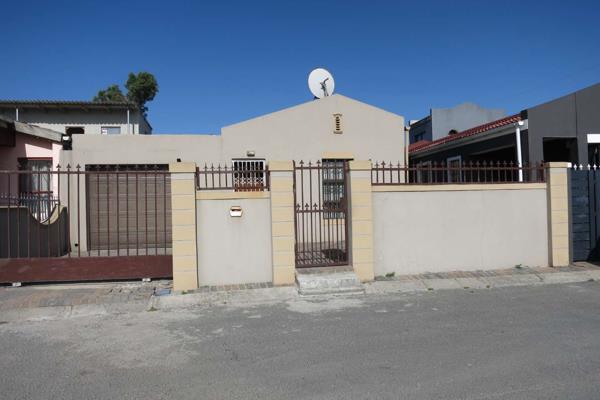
x,y
28,147
446,121
33,152
564,129
78,117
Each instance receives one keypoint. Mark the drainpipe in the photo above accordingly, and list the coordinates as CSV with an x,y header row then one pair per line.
x,y
128,125
518,126
16,113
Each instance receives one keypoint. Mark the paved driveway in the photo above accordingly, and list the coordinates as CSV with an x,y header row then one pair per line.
x,y
538,342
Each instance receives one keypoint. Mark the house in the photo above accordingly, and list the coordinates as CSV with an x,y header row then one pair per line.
x,y
34,151
78,117
564,129
329,131
445,121
335,127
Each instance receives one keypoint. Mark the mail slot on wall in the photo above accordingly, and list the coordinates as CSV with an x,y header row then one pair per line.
x,y
235,211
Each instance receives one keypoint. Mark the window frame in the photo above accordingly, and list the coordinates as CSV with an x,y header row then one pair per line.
x,y
255,175
110,127
424,164
450,173
334,188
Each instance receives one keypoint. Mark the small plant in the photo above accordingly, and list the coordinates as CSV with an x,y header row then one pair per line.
x,y
184,292
152,309
487,286
430,288
390,274
519,266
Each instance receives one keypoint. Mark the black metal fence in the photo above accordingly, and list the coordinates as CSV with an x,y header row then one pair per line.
x,y
240,178
76,212
456,173
321,213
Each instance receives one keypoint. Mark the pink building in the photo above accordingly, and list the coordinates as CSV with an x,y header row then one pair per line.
x,y
28,147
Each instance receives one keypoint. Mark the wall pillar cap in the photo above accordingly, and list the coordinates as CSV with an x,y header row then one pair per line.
x,y
182,167
281,165
358,165
558,164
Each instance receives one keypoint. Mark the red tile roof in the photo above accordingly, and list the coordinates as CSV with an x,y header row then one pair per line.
x,y
426,145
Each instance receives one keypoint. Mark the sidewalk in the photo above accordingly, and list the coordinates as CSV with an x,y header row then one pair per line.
x,y
69,300
518,276
66,300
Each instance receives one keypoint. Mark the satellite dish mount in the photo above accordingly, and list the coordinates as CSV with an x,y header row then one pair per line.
x,y
321,83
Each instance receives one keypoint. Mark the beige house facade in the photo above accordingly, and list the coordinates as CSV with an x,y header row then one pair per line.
x,y
303,132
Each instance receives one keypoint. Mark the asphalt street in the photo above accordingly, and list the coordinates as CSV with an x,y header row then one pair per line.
x,y
539,342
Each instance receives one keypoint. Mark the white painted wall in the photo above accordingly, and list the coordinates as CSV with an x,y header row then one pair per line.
x,y
234,250
465,230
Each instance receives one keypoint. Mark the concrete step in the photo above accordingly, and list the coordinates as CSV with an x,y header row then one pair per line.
x,y
335,282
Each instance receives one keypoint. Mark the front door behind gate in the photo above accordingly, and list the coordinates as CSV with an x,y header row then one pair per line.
x,y
321,217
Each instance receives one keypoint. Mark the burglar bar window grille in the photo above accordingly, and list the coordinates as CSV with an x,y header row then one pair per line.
x,y
248,174
243,175
334,188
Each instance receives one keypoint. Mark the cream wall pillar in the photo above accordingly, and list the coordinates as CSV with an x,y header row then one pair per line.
x,y
183,206
558,213
282,221
361,213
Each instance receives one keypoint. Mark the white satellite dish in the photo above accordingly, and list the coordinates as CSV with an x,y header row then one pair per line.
x,y
321,83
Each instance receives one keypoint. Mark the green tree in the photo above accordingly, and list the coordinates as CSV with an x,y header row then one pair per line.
x,y
110,94
141,88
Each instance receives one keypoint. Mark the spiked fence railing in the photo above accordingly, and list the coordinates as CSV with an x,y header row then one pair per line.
x,y
228,177
456,173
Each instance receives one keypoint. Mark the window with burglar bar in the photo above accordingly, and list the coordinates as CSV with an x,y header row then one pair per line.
x,y
248,174
35,187
334,188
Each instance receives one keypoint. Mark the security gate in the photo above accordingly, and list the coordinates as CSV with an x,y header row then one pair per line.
x,y
585,213
92,224
321,213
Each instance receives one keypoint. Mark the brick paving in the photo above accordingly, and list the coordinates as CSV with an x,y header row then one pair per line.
x,y
243,286
578,266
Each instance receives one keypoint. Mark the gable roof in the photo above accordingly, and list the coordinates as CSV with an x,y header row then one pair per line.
x,y
67,104
314,103
427,145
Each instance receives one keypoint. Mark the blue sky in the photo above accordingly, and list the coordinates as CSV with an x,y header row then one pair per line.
x,y
222,62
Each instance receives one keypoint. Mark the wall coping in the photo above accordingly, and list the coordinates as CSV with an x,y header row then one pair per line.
x,y
458,187
280,166
183,167
230,195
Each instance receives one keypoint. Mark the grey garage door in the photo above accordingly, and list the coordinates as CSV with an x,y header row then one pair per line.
x,y
129,209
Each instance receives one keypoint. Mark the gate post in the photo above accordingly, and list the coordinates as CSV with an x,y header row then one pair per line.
x,y
282,222
361,215
559,243
183,220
